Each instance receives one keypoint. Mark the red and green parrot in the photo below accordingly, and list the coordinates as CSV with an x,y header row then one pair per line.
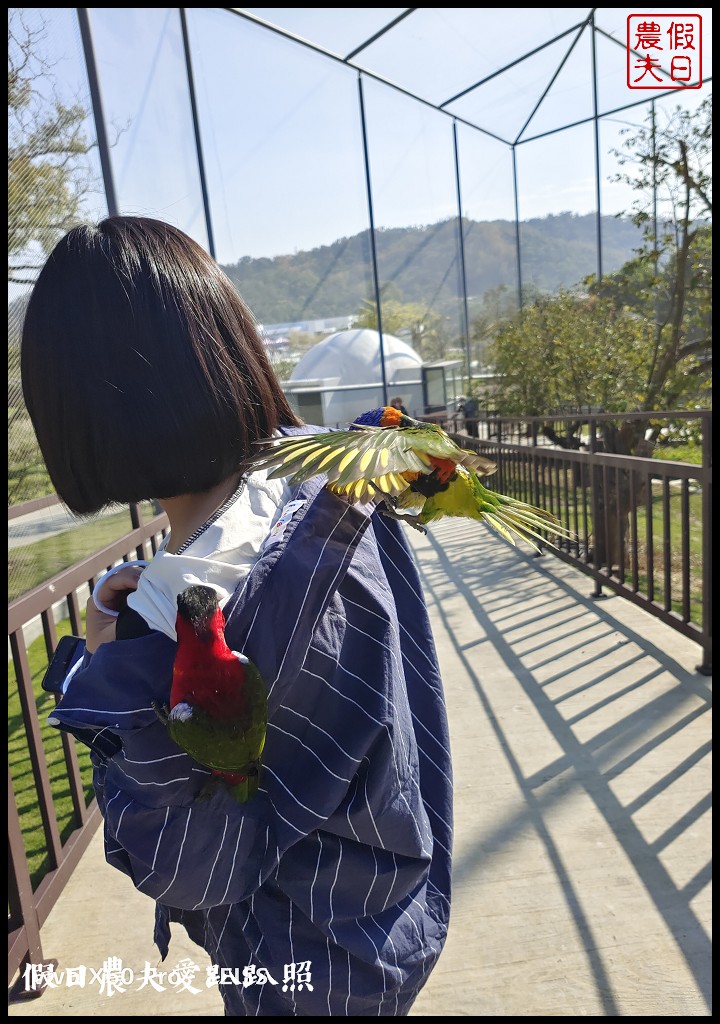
x,y
414,470
218,700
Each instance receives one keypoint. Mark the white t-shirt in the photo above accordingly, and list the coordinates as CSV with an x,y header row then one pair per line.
x,y
220,554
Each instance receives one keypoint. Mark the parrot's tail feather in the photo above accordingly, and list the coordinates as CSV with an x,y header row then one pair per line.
x,y
497,524
246,789
513,518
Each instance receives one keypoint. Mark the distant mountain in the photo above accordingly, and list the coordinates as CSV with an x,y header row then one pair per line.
x,y
422,264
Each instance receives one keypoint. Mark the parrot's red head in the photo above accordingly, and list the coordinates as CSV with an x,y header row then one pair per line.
x,y
205,670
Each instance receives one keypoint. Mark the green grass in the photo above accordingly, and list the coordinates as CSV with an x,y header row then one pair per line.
x,y
27,476
21,768
695,551
32,564
679,453
27,480
695,543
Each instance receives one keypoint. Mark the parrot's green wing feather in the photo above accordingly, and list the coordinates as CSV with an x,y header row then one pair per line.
x,y
362,461
369,462
431,439
224,746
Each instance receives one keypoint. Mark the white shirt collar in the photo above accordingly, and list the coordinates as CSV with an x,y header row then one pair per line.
x,y
220,555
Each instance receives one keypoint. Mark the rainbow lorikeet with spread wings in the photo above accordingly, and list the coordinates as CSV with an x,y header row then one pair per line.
x,y
218,700
415,470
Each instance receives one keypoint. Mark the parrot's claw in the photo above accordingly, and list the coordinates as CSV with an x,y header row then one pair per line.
x,y
209,788
162,711
413,521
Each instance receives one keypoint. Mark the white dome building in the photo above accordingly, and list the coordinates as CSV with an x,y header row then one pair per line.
x,y
341,377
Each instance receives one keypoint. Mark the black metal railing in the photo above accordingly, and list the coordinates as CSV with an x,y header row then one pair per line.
x,y
29,903
642,526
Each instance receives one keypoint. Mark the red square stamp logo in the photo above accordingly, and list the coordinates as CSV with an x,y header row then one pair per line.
x,y
664,51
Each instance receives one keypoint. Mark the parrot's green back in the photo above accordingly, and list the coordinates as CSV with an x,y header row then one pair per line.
x,y
226,744
468,498
459,499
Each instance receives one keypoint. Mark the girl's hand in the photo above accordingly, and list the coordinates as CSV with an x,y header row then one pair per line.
x,y
111,593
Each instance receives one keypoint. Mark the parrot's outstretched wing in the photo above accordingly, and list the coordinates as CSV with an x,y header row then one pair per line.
x,y
365,459
415,469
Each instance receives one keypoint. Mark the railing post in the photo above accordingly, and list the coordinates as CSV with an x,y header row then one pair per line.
x,y
536,475
23,916
705,668
136,522
597,594
536,464
501,474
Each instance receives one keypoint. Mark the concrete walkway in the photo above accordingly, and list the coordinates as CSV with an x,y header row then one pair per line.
x,y
582,746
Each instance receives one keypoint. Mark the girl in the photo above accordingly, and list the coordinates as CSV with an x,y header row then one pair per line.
x,y
328,893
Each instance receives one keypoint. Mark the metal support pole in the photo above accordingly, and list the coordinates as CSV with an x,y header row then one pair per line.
x,y
461,241
373,250
596,126
656,250
653,135
196,129
517,229
83,14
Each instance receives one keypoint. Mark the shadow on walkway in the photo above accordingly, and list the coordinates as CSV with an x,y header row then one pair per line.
x,y
581,747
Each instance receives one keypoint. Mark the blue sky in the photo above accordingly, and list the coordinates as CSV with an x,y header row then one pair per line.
x,y
280,123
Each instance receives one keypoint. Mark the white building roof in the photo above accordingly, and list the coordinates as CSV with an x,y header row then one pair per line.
x,y
353,357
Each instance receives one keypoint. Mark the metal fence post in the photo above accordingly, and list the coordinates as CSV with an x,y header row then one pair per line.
x,y
597,593
705,668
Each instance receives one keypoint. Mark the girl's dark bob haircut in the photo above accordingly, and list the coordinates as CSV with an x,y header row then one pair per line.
x,y
143,370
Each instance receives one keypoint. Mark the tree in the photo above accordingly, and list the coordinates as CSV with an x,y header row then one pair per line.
x,y
640,340
496,307
667,288
568,353
664,360
423,328
671,279
48,175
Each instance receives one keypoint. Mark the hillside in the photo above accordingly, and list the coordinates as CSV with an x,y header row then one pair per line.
x,y
421,264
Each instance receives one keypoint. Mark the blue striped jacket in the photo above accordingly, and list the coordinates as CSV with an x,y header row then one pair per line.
x,y
341,862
